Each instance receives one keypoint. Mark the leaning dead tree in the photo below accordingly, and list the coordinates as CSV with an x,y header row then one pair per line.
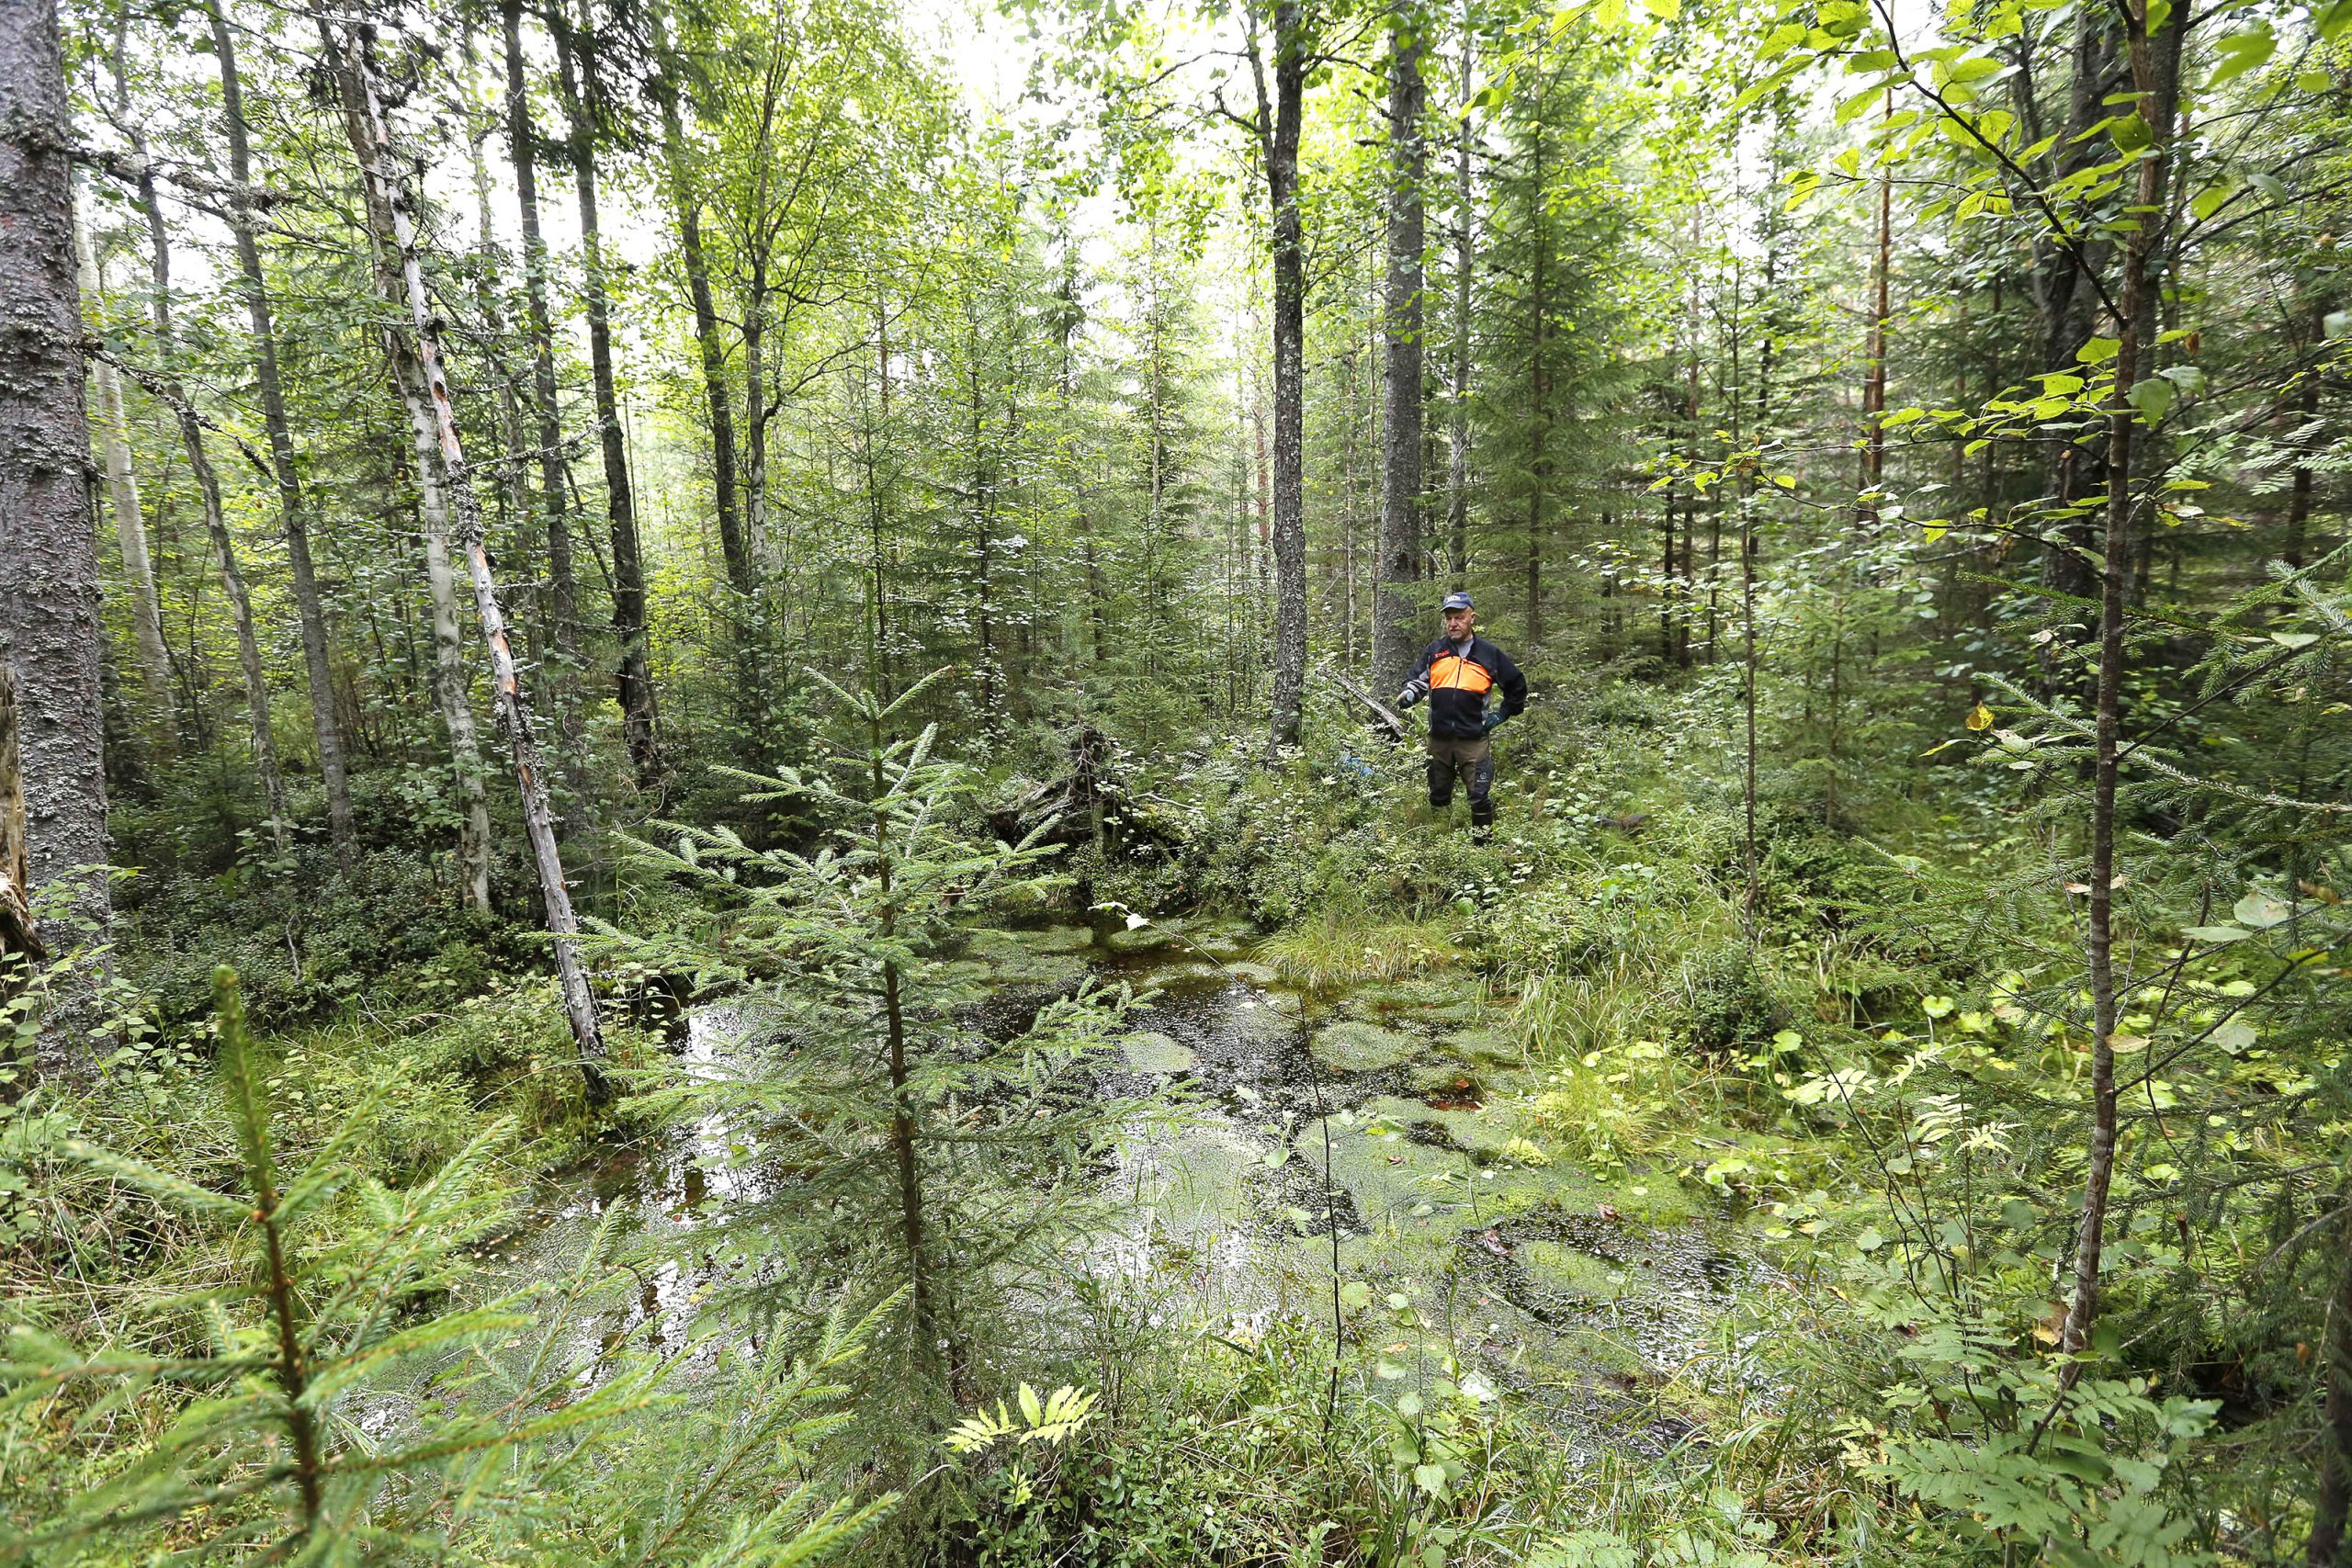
x,y
389,209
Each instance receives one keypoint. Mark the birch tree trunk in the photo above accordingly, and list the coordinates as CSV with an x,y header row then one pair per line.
x,y
633,674
449,683
122,504
291,507
388,208
50,634
1393,633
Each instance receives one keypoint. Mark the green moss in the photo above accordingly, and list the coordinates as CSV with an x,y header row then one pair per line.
x,y
1150,1052
1569,1274
1490,1046
1352,1046
1142,939
1268,1018
1056,939
1256,974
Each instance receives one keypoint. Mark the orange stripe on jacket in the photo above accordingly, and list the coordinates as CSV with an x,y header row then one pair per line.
x,y
1448,673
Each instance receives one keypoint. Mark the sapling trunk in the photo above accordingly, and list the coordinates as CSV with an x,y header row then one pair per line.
x,y
2156,76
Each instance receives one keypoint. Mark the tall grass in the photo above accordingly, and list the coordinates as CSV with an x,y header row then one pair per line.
x,y
1333,950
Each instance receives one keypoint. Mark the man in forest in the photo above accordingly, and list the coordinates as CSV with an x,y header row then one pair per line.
x,y
1457,674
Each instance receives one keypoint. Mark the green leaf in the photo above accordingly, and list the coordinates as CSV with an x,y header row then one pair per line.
x,y
2216,933
1430,1478
2153,397
1869,1240
1408,1404
2334,20
1355,1295
2242,51
2099,350
1664,10
1031,1411
2208,201
2260,911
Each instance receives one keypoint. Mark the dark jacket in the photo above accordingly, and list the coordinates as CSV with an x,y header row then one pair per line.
x,y
1456,687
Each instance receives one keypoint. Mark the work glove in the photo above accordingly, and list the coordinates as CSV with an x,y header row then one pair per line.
x,y
1489,724
1408,697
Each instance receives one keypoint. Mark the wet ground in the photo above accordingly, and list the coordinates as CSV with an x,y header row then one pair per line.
x,y
1382,1114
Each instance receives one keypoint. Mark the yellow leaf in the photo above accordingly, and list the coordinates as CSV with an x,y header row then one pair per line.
x,y
1980,717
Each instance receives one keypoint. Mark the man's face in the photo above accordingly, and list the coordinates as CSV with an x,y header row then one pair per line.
x,y
1457,624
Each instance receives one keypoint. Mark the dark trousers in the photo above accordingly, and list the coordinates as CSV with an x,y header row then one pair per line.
x,y
1474,762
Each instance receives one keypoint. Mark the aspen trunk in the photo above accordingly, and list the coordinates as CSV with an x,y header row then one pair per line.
x,y
292,511
389,205
633,674
1393,633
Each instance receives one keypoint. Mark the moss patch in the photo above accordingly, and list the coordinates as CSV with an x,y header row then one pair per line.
x,y
1150,1052
1056,939
1353,1046
1143,939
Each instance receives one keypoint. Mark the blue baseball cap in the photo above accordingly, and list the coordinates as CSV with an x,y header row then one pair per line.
x,y
1456,602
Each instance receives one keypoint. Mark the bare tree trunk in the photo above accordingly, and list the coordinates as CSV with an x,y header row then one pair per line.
x,y
292,513
122,504
716,392
1874,376
1457,494
1393,633
389,205
633,672
563,597
1278,124
2156,76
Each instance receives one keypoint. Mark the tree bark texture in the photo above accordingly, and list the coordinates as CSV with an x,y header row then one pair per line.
x,y
50,633
292,509
1393,633
633,673
388,204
